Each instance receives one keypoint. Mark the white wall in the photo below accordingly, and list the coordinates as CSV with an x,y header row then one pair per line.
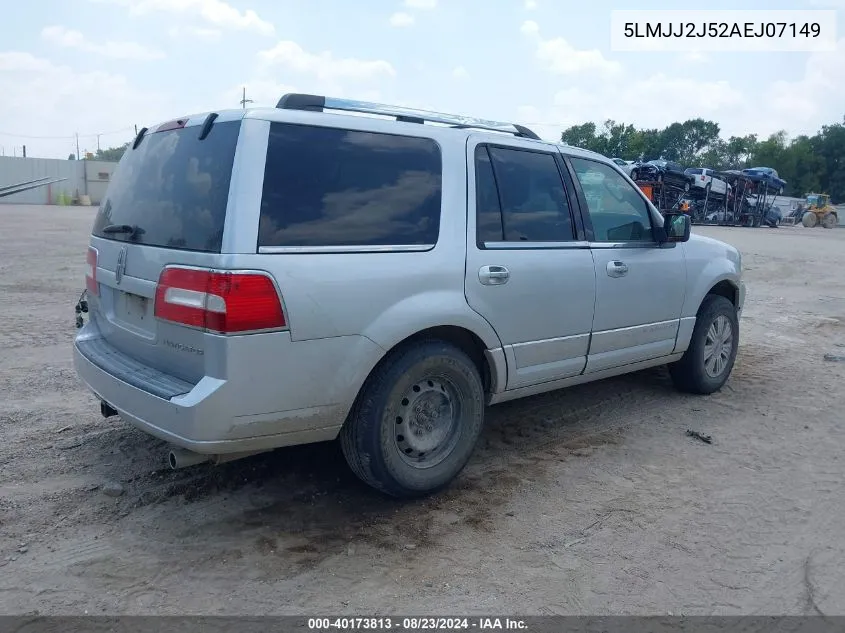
x,y
83,176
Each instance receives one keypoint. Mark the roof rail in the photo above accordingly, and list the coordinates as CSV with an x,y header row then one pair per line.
x,y
316,103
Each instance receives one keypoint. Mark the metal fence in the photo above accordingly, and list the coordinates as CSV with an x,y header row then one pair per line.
x,y
83,178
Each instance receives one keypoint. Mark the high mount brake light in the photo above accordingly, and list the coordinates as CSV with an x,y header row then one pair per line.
x,y
229,302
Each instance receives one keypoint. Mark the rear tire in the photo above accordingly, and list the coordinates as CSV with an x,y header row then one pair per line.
x,y
416,421
830,221
634,174
709,359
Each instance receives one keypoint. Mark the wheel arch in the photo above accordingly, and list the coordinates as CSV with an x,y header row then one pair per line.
x,y
491,364
726,288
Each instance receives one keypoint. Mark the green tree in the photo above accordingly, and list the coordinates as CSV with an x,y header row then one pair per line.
x,y
112,154
807,163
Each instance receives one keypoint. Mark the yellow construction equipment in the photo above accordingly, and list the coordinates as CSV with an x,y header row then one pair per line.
x,y
819,212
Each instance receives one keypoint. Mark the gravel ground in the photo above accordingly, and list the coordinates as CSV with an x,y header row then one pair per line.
x,y
591,500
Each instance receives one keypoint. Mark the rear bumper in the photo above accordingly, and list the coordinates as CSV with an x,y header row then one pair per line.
x,y
260,406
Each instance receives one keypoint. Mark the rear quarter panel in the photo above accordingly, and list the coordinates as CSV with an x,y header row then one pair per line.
x,y
383,297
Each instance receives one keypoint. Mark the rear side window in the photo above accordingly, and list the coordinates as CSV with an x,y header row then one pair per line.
x,y
693,171
334,187
172,190
522,193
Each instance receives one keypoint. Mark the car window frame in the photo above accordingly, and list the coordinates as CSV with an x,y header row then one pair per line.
x,y
579,234
356,248
584,208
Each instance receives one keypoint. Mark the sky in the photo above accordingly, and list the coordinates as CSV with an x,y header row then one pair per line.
x,y
101,67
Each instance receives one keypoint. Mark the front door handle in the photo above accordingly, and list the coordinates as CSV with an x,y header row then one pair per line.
x,y
616,269
493,275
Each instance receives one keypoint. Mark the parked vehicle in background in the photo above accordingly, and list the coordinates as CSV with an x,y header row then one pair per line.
x,y
267,277
708,180
625,165
766,176
663,171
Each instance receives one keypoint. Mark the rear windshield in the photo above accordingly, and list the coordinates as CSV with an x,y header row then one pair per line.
x,y
172,190
335,187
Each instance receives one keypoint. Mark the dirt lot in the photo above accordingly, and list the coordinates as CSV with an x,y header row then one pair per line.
x,y
590,500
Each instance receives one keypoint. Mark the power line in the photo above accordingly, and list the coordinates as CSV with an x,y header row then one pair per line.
x,y
68,138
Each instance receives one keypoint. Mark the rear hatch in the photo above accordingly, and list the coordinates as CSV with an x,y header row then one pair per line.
x,y
166,205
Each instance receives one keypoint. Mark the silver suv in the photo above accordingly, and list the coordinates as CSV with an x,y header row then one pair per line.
x,y
269,277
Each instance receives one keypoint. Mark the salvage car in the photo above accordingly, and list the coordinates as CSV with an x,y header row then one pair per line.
x,y
663,171
276,276
766,178
708,180
624,165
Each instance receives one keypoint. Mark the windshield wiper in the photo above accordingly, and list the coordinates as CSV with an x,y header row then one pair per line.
x,y
132,231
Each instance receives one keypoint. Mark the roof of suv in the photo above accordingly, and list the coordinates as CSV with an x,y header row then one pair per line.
x,y
350,109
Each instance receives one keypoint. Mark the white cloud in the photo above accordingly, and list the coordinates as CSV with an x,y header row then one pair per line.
x,y
560,57
656,100
214,12
267,92
530,4
460,73
694,57
45,99
325,66
68,38
530,27
817,96
401,19
421,4
196,32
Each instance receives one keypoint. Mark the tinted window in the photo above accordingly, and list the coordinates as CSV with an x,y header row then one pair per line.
x,y
533,200
488,212
692,171
174,188
332,187
618,213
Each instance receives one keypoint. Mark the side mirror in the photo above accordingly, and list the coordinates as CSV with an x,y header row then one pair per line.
x,y
677,227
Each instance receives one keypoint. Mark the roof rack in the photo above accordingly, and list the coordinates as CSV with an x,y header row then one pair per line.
x,y
316,103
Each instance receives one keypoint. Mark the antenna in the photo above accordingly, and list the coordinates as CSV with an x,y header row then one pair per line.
x,y
244,100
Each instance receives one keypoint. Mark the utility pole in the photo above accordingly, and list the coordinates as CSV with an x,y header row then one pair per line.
x,y
77,146
136,129
244,100
98,143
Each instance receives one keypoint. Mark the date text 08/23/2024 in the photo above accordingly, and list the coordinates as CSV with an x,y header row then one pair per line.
x,y
415,624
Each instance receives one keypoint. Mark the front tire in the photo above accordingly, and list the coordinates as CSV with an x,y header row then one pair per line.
x,y
706,365
634,174
416,421
809,219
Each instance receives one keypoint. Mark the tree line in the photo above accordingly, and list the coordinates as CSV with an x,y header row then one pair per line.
x,y
808,163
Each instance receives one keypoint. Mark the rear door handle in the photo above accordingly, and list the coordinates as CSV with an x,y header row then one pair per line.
x,y
493,275
616,269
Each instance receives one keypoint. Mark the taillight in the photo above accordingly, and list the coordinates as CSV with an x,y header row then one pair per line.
x,y
225,302
702,177
91,272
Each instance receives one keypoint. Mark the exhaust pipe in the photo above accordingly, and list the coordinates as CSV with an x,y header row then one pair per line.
x,y
180,458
